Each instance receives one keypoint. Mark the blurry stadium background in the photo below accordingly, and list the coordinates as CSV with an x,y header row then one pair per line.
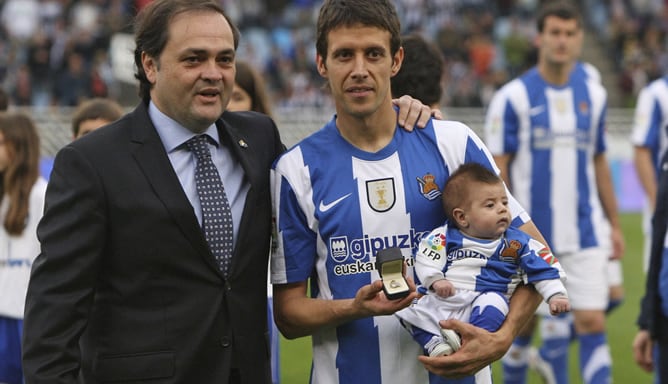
x,y
56,53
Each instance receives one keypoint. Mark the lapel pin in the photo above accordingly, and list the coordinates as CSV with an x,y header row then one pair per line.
x,y
243,144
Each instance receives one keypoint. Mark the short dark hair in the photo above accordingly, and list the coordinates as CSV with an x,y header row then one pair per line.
x,y
373,13
152,31
93,109
562,9
421,71
249,80
457,186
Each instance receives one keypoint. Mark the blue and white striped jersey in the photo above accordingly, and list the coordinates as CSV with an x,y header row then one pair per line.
x,y
335,206
480,265
650,121
553,134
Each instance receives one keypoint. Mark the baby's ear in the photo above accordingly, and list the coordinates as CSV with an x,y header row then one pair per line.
x,y
460,217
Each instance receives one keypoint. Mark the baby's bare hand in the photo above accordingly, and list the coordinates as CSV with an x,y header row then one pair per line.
x,y
559,304
443,288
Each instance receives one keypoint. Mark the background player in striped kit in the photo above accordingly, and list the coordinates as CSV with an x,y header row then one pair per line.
x,y
546,130
359,185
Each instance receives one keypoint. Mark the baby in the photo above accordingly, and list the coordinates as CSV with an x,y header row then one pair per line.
x,y
473,263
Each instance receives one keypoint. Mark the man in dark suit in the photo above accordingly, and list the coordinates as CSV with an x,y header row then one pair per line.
x,y
126,287
650,345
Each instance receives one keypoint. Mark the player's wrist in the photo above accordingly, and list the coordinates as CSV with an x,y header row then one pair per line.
x,y
557,296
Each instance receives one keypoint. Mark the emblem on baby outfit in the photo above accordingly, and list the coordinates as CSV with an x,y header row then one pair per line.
x,y
510,251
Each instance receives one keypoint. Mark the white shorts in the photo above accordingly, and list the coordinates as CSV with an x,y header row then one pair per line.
x,y
615,274
586,278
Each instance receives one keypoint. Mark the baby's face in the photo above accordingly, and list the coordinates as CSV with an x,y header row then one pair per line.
x,y
487,210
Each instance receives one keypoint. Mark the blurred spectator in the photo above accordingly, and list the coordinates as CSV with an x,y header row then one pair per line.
x,y
4,101
636,37
22,94
102,82
516,47
248,93
39,67
481,53
72,84
20,18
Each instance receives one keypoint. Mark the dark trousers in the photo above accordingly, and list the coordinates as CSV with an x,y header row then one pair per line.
x,y
661,363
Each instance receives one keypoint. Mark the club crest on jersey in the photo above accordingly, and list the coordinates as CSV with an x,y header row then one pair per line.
x,y
428,187
560,105
510,251
584,108
380,194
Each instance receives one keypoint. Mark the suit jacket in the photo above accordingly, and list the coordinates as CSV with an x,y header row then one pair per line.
x,y
651,317
125,287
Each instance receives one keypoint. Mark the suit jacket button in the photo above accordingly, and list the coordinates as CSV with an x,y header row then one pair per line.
x,y
225,341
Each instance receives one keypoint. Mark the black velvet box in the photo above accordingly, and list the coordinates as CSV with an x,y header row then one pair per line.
x,y
390,266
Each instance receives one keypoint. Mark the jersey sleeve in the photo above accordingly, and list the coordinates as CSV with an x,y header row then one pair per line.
x,y
291,206
502,121
646,121
542,269
549,288
430,258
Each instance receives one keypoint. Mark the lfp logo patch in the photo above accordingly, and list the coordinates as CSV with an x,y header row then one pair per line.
x,y
436,241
